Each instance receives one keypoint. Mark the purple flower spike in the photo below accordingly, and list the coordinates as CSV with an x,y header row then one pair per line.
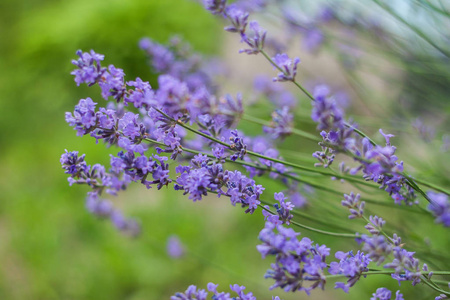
x,y
215,6
326,111
175,248
255,40
283,208
238,19
385,294
89,69
440,207
381,294
288,67
237,144
374,227
281,124
350,265
354,204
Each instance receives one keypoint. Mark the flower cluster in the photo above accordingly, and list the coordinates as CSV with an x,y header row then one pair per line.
x,y
193,293
296,261
377,163
350,265
385,294
140,118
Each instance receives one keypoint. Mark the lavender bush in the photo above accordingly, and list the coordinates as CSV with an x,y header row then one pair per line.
x,y
187,134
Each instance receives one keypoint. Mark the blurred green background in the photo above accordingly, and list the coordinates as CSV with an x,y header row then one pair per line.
x,y
50,247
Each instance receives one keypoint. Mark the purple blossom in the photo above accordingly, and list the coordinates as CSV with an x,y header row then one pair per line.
x,y
237,145
355,206
112,83
374,227
296,262
84,117
97,206
192,293
72,163
440,207
350,265
385,294
142,95
381,294
215,6
231,108
281,125
174,247
376,247
283,208
325,110
255,40
161,57
312,39
405,261
238,19
89,69
288,67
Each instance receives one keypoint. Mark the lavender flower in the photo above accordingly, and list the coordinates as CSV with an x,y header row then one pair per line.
x,y
376,247
313,38
405,261
288,67
350,265
89,69
440,207
215,6
192,293
374,227
385,294
174,247
296,262
325,110
255,40
238,19
283,208
281,124
354,204
238,145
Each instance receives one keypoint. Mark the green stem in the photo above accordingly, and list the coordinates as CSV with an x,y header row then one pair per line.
x,y
296,131
291,176
413,185
433,186
345,235
281,70
307,217
296,166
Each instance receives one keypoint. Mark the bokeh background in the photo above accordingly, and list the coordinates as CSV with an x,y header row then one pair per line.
x,y
51,248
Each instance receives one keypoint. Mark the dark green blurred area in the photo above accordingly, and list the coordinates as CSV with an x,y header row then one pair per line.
x,y
50,246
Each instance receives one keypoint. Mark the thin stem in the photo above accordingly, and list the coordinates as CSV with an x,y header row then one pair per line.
x,y
281,70
345,235
299,167
411,184
305,216
291,176
431,185
295,131
433,287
